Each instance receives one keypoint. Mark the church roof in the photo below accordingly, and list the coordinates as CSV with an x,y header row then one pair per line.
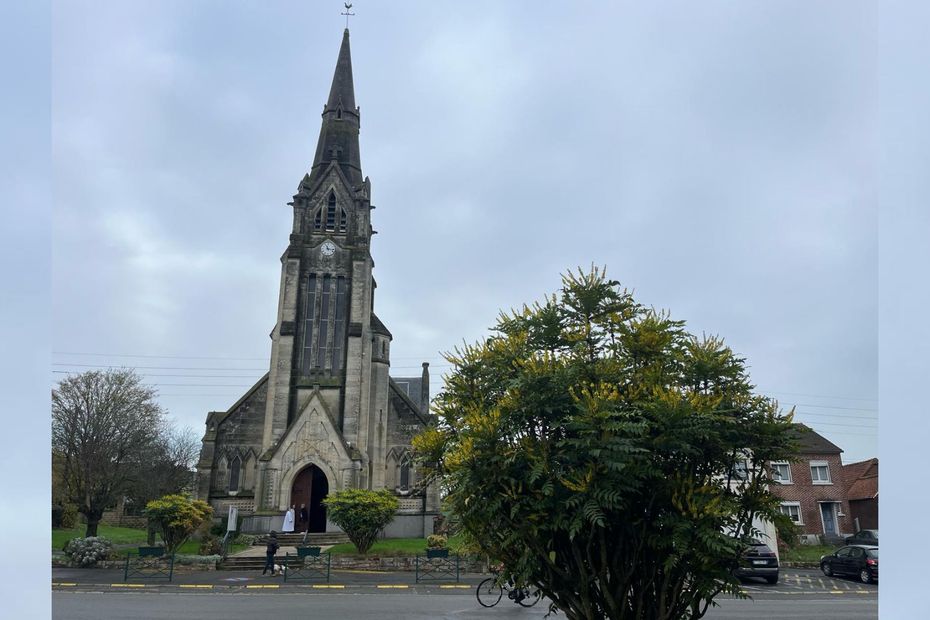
x,y
338,139
378,327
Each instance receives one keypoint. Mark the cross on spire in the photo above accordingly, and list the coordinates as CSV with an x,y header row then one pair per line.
x,y
348,6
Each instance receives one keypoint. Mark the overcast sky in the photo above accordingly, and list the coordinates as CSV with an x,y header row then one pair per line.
x,y
718,158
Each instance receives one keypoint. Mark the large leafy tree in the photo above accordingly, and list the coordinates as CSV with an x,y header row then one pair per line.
x,y
102,421
605,455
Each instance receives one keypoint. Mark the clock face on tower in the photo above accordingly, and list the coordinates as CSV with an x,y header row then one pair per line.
x,y
328,248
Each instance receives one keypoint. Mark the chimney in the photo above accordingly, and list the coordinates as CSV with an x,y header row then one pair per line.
x,y
424,389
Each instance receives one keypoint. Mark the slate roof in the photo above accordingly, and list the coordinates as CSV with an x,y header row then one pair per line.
x,y
378,327
810,442
411,387
861,479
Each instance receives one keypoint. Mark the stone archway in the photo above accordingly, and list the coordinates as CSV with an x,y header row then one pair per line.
x,y
310,488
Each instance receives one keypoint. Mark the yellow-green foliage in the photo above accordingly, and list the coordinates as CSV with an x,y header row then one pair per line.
x,y
589,445
177,517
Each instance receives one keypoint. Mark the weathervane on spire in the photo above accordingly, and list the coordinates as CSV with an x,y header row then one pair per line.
x,y
348,6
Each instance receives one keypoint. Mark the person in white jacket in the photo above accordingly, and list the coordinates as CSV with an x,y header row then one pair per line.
x,y
288,520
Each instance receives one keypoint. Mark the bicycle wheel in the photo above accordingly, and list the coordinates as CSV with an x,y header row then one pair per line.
x,y
531,597
489,592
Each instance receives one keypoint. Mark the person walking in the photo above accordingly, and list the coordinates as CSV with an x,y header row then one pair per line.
x,y
270,550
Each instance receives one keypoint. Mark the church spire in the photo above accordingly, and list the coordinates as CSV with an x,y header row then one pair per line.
x,y
339,133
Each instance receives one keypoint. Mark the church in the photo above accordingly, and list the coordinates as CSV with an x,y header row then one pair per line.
x,y
328,415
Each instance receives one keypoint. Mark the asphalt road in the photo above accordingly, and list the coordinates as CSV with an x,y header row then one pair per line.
x,y
377,605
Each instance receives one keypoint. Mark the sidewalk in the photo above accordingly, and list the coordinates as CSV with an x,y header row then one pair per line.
x,y
217,581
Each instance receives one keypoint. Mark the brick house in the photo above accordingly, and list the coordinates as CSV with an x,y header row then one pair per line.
x,y
862,493
813,488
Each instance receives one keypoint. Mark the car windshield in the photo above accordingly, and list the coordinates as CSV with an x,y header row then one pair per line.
x,y
872,553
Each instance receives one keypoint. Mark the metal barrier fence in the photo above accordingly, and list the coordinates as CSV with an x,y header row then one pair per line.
x,y
149,563
437,568
309,564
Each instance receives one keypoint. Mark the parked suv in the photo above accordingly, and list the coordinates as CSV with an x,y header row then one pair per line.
x,y
758,561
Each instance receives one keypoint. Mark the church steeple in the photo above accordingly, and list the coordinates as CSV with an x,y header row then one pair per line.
x,y
339,133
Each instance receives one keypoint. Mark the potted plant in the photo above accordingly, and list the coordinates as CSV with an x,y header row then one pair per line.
x,y
436,546
303,552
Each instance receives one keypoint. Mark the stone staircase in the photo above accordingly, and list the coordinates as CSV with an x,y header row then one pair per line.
x,y
253,558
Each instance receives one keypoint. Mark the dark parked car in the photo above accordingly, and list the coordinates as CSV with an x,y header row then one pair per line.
x,y
758,561
858,560
863,537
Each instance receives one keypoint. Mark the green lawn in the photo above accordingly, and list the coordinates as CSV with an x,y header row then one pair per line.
x,y
125,537
387,547
806,553
116,535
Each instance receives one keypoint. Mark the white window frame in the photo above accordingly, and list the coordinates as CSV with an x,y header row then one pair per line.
x,y
825,464
797,505
787,465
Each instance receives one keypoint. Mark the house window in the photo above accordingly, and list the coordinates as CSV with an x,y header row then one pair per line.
x,y
234,466
781,472
793,510
820,472
741,470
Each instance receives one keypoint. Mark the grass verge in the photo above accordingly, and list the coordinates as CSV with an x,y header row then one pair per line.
x,y
388,547
806,553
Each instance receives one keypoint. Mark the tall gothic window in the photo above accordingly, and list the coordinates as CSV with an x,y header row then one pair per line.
x,y
343,219
325,312
324,323
309,306
339,324
405,471
235,465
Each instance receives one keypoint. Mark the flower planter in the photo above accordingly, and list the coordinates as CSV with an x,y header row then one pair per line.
x,y
303,552
437,553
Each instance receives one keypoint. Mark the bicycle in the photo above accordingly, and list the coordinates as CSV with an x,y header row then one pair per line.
x,y
490,593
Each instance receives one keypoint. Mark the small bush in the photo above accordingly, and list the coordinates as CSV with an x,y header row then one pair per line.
x,y
436,541
361,514
211,545
188,560
69,516
86,552
244,539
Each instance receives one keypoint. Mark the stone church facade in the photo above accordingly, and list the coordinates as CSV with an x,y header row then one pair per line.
x,y
327,416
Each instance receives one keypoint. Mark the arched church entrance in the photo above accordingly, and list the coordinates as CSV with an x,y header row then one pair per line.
x,y
310,489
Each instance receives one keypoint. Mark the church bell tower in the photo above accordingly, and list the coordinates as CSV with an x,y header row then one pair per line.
x,y
327,340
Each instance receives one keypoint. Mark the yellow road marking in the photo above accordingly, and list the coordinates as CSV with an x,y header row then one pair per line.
x,y
456,586
836,591
264,586
322,585
127,585
64,584
195,585
393,586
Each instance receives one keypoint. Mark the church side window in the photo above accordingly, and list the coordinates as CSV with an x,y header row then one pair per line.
x,y
235,465
343,220
318,220
331,213
339,324
309,315
324,346
405,472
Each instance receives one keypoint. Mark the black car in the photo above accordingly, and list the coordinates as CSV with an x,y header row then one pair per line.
x,y
858,560
863,537
758,560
